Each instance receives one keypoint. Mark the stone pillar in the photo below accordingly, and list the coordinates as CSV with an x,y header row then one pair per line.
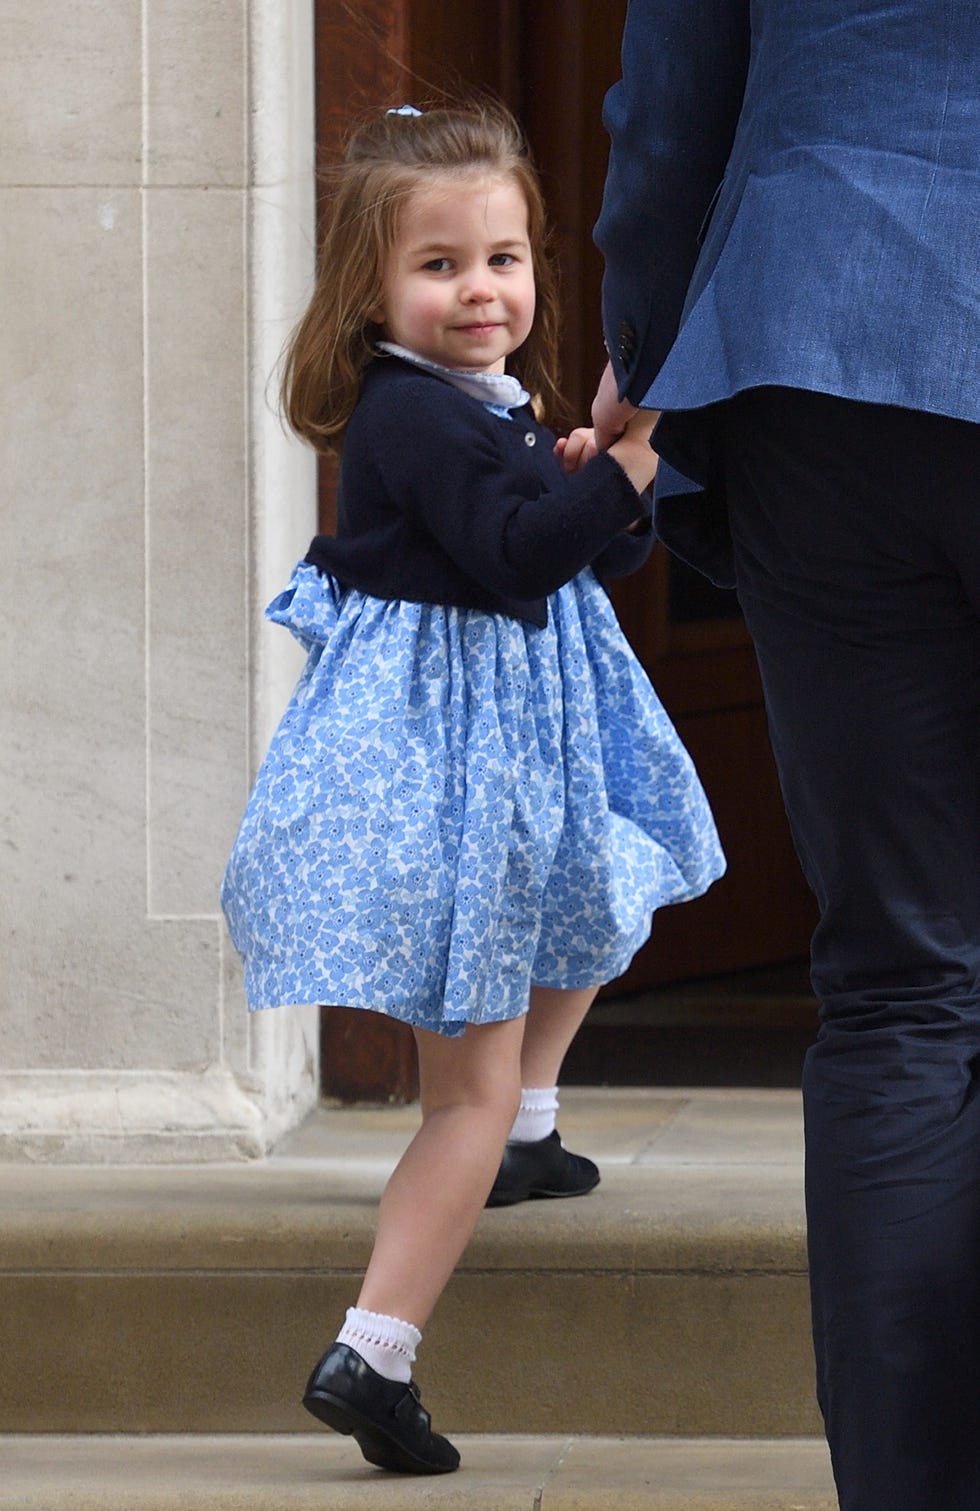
x,y
156,245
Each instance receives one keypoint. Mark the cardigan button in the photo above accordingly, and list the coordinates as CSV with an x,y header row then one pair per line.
x,y
530,438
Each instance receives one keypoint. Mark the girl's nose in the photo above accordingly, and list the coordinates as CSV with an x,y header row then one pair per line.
x,y
477,289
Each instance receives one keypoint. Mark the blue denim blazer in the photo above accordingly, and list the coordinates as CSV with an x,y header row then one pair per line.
x,y
793,197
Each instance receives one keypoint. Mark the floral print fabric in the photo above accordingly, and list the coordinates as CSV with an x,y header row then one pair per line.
x,y
457,804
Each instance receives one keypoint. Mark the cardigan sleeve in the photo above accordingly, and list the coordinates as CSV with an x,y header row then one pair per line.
x,y
459,475
626,553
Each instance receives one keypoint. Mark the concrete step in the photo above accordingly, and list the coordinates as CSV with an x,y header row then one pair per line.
x,y
672,1300
303,1473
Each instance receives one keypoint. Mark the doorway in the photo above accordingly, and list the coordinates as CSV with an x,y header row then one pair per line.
x,y
551,63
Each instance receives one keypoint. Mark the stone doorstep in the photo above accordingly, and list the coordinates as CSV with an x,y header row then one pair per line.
x,y
670,1300
512,1473
678,1168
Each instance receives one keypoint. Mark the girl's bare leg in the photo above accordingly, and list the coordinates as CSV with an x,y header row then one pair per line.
x,y
470,1091
553,1020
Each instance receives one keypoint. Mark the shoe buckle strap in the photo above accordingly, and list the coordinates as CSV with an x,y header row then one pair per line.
x,y
415,1405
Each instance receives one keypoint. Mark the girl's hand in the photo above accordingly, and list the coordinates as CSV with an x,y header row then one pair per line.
x,y
633,451
574,450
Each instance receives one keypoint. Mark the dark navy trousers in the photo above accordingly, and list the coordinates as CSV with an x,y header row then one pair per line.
x,y
857,539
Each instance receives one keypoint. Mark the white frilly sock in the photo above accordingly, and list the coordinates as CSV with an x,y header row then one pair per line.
x,y
386,1343
537,1114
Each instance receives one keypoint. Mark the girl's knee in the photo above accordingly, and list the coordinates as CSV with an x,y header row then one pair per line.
x,y
492,1115
481,1069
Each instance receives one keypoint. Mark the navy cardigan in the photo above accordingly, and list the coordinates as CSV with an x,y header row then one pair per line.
x,y
441,501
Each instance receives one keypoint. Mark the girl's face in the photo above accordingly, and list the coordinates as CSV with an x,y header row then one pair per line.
x,y
458,284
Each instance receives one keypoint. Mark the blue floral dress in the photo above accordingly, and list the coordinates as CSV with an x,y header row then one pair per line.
x,y
458,804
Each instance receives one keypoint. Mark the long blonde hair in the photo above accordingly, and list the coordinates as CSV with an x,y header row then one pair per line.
x,y
387,159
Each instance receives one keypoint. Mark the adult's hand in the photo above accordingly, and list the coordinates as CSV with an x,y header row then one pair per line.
x,y
610,413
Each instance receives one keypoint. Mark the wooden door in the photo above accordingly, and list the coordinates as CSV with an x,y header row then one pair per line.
x,y
552,62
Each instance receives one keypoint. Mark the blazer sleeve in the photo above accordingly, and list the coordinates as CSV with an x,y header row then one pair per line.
x,y
507,528
671,120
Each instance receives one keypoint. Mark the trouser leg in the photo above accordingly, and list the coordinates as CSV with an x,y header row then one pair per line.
x,y
857,536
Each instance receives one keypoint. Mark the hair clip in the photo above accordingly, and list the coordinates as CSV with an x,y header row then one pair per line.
x,y
404,110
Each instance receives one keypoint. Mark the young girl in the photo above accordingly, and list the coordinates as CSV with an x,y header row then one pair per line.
x,y
474,802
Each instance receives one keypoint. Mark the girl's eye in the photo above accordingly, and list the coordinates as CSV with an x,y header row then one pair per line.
x,y
502,259
437,265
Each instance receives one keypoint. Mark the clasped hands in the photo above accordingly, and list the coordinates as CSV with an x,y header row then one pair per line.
x,y
618,427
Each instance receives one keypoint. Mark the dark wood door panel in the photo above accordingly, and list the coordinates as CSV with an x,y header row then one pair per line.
x,y
462,49
761,911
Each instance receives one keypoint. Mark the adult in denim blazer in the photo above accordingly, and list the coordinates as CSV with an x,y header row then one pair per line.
x,y
792,198
791,228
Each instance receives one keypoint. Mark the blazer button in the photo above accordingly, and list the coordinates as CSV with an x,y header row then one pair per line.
x,y
626,342
530,439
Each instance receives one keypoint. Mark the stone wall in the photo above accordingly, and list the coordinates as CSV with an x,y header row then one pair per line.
x,y
156,244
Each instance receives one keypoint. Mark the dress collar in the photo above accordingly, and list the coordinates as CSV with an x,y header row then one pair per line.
x,y
500,389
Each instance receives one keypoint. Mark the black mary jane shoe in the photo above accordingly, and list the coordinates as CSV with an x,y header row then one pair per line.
x,y
386,1418
542,1168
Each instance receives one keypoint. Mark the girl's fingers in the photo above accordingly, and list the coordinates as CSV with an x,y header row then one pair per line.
x,y
574,450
